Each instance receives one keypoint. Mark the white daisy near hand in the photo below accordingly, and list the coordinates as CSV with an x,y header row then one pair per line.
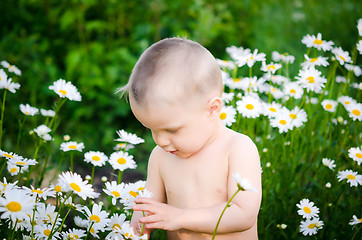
x,y
329,105
249,107
317,42
72,146
329,163
28,110
122,161
227,115
355,111
342,56
98,218
114,190
355,220
307,209
311,226
16,204
73,182
133,191
353,178
96,158
356,154
114,225
243,183
66,89
311,79
43,132
128,138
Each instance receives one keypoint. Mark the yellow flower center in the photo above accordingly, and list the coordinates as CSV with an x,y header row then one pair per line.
x,y
116,194
356,112
329,106
272,109
27,113
92,230
311,226
140,188
283,122
318,41
13,206
313,60
342,58
346,102
95,218
236,79
58,188
13,170
121,161
8,155
351,177
46,232
359,155
249,106
133,193
75,187
72,147
128,235
271,67
223,116
310,79
37,191
116,226
20,163
360,220
96,158
293,116
292,91
307,210
63,92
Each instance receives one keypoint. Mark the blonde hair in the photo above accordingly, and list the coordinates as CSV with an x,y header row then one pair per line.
x,y
174,68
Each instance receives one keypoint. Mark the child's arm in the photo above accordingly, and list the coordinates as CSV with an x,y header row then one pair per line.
x,y
240,216
154,184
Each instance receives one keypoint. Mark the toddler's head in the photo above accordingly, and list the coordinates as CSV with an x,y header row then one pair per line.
x,y
174,70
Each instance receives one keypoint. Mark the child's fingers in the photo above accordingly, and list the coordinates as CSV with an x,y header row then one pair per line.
x,y
145,201
151,218
145,207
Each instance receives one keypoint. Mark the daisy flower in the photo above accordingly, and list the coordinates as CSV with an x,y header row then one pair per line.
x,y
346,100
10,155
74,234
11,68
298,116
355,220
329,163
271,109
43,132
311,79
133,191
16,204
80,222
7,186
341,56
278,79
122,161
249,107
47,113
243,183
123,146
114,225
227,115
71,146
24,163
329,105
3,78
128,138
310,226
251,58
271,67
282,57
114,190
40,193
359,26
359,46
9,85
293,89
46,214
95,158
13,169
28,110
282,121
66,89
98,217
237,52
341,79
317,42
42,232
74,182
227,97
353,178
276,92
354,111
312,62
225,64
356,154
127,231
307,209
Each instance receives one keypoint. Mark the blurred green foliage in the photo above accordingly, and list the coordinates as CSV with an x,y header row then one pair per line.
x,y
95,44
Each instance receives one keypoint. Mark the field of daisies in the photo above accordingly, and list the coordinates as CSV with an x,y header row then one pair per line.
x,y
306,124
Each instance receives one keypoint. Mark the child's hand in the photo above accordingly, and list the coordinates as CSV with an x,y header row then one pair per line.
x,y
161,216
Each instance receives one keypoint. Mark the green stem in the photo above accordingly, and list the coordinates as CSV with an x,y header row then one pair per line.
x,y
71,161
13,235
120,174
355,234
143,225
223,211
21,124
56,217
91,181
2,118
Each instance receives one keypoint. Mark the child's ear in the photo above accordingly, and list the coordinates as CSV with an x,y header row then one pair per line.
x,y
214,107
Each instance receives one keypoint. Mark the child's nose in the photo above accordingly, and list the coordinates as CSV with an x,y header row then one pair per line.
x,y
161,140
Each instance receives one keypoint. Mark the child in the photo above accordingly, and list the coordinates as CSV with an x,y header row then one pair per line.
x,y
175,90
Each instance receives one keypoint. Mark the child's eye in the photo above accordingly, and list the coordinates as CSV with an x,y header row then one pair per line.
x,y
171,130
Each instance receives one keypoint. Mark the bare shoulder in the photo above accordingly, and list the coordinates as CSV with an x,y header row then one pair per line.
x,y
241,142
